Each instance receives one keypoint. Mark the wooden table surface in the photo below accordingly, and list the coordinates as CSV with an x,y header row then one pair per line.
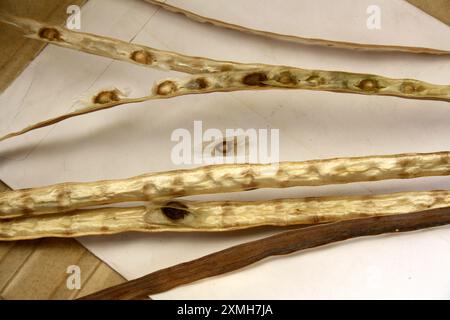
x,y
38,269
440,9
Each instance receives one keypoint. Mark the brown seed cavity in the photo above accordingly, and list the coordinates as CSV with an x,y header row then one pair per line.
x,y
175,210
198,84
287,78
410,87
142,56
369,85
50,34
106,96
166,87
315,80
255,79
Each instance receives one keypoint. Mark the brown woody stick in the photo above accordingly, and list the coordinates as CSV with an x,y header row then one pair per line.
x,y
288,242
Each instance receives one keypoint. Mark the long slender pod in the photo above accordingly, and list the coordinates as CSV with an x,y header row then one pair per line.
x,y
220,179
215,216
118,49
297,39
262,79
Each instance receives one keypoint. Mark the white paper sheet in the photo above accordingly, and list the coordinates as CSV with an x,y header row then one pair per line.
x,y
131,140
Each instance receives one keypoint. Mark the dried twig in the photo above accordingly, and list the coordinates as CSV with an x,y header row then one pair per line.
x,y
269,77
297,39
288,242
214,216
219,179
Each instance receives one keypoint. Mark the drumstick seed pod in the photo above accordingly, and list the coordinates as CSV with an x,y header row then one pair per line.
x,y
263,79
215,216
220,179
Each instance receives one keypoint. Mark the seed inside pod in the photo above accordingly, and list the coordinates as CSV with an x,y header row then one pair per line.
x,y
175,210
166,87
410,87
315,80
50,34
202,83
287,78
142,56
255,79
196,84
368,85
107,96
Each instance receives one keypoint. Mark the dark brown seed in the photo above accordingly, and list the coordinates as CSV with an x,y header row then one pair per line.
x,y
197,84
202,83
175,210
106,97
368,85
166,87
50,34
142,56
255,79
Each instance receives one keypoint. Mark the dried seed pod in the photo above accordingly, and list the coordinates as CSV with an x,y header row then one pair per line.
x,y
175,210
215,216
220,179
49,34
297,39
107,96
271,77
142,56
119,50
165,88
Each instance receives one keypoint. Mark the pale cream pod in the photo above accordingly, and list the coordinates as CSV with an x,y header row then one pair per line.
x,y
118,49
215,216
220,179
263,78
297,39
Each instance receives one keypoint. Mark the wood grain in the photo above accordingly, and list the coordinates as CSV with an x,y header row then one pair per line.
x,y
16,52
440,9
